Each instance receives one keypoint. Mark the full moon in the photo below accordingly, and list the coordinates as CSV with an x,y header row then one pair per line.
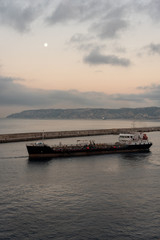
x,y
45,44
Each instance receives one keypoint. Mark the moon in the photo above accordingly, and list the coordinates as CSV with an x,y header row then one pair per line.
x,y
45,44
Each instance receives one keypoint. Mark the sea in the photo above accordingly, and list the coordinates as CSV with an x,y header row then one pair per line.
x,y
104,197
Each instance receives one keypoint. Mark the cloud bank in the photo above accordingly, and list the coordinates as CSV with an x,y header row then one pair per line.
x,y
14,94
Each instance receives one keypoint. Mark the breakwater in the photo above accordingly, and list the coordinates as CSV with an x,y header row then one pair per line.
x,y
20,137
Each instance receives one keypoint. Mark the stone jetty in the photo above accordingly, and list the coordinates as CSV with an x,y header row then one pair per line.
x,y
20,137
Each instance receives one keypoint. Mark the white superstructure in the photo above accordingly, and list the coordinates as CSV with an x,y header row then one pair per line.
x,y
134,138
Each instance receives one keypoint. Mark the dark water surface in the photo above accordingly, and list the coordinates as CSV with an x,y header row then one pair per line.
x,y
96,197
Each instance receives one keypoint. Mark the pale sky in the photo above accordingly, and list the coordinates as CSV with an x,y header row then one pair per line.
x,y
79,53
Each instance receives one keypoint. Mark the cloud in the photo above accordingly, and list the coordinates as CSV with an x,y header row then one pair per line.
x,y
116,13
151,87
85,43
109,28
150,95
153,48
19,15
113,22
152,8
105,18
15,94
65,11
96,58
78,10
12,93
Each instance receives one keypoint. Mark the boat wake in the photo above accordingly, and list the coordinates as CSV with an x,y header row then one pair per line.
x,y
14,157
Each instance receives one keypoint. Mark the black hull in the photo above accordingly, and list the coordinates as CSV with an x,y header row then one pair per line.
x,y
45,151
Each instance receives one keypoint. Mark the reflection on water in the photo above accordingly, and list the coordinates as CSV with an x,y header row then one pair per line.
x,y
39,160
136,156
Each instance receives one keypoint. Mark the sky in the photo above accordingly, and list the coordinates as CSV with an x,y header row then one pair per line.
x,y
79,53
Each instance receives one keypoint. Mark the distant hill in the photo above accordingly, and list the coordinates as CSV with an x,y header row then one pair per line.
x,y
90,113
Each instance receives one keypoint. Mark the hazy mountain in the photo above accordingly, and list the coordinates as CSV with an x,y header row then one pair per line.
x,y
90,113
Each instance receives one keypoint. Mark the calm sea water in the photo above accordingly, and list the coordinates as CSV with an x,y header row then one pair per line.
x,y
80,198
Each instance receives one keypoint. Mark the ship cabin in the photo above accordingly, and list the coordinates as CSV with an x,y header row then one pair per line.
x,y
124,138
135,138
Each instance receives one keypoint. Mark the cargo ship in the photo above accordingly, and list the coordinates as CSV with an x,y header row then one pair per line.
x,y
136,142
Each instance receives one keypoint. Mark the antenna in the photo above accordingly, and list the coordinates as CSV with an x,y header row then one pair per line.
x,y
43,136
133,124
